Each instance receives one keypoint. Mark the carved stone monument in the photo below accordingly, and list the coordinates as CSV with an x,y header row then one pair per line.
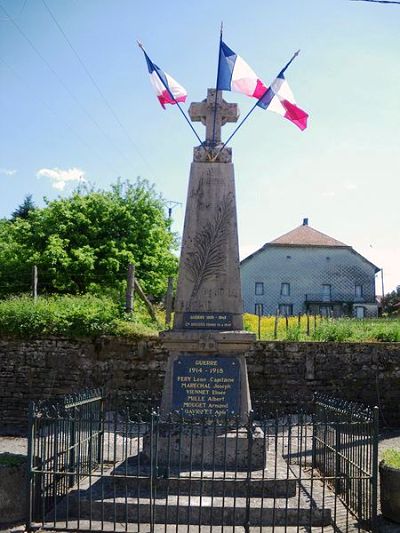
x,y
206,374
208,292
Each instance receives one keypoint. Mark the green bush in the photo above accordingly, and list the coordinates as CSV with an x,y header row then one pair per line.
x,y
11,459
84,315
392,458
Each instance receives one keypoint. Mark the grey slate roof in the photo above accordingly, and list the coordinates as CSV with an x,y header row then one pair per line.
x,y
306,236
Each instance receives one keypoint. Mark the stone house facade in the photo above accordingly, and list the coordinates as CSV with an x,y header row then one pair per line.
x,y
308,271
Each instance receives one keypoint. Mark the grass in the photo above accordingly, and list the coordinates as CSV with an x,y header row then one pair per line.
x,y
85,315
325,330
11,459
93,315
392,458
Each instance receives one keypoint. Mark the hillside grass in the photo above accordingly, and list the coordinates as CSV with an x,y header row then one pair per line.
x,y
93,315
75,316
325,330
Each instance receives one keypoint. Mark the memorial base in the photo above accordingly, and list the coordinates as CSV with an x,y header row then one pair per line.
x,y
206,449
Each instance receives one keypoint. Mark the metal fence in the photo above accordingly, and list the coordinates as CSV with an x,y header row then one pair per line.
x,y
114,464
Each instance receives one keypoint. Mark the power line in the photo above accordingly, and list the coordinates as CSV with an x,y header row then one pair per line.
x,y
67,124
377,1
60,80
95,84
19,14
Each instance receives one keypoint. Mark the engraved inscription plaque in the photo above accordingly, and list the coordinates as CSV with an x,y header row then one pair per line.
x,y
206,386
221,321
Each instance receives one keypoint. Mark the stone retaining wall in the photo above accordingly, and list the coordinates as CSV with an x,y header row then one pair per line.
x,y
40,368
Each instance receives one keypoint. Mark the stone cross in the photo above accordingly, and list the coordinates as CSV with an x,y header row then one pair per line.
x,y
204,112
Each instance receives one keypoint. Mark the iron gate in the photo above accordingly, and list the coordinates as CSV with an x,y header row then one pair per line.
x,y
114,464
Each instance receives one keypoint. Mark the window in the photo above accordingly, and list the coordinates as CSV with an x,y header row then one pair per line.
x,y
326,292
286,309
358,291
259,309
285,289
259,288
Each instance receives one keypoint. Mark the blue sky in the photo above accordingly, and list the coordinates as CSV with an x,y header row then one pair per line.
x,y
342,172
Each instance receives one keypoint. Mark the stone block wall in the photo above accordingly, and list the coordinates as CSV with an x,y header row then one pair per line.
x,y
287,371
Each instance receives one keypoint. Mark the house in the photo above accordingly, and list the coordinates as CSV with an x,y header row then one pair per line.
x,y
308,271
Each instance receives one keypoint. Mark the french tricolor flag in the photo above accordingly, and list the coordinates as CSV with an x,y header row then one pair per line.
x,y
279,98
168,90
234,74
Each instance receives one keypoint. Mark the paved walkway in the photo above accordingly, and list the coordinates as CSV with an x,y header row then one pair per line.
x,y
388,439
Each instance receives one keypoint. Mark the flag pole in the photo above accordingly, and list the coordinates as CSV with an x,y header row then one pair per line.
x,y
216,84
173,98
252,109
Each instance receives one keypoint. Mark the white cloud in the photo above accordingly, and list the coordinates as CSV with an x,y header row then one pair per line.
x,y
350,186
8,171
329,194
60,176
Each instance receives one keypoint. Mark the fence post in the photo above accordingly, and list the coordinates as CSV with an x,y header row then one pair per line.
x,y
168,302
308,324
130,288
34,282
374,510
30,476
276,325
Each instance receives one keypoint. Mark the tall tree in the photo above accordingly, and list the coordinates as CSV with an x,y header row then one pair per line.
x,y
90,238
24,209
391,302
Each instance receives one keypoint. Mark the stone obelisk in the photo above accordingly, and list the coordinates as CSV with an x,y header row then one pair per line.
x,y
209,276
206,373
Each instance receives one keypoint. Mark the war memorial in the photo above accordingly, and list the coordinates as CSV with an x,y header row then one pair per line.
x,y
202,455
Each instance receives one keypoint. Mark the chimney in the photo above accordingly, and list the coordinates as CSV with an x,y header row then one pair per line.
x,y
305,221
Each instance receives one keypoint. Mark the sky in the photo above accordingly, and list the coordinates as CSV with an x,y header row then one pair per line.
x,y
92,115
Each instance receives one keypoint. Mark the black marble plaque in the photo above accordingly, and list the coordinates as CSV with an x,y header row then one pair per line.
x,y
206,386
207,321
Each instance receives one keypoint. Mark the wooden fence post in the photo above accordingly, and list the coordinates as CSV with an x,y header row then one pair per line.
x,y
130,289
308,324
146,301
34,282
276,325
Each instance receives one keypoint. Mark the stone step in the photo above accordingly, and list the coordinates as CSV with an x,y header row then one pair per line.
x,y
119,527
206,486
196,510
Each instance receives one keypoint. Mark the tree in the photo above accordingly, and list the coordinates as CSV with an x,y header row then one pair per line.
x,y
90,238
24,209
391,302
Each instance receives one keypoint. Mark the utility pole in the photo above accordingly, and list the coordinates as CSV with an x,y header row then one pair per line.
x,y
171,204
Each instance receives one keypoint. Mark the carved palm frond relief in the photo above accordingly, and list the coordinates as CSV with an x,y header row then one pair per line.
x,y
208,255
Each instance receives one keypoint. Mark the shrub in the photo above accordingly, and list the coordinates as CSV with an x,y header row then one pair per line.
x,y
391,458
11,459
84,315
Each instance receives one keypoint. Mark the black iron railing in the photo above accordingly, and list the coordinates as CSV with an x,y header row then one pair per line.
x,y
336,297
116,464
346,450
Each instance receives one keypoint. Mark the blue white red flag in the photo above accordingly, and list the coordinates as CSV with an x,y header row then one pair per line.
x,y
168,90
279,98
234,74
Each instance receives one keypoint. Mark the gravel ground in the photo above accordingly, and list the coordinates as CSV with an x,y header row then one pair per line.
x,y
388,439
